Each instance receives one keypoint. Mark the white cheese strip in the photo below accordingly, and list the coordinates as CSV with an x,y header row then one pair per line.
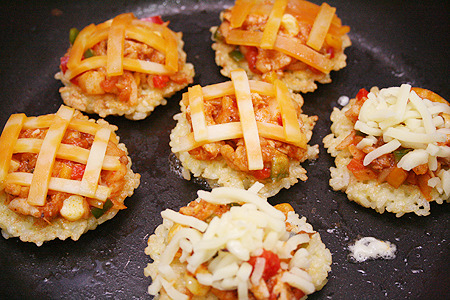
x,y
424,112
247,118
385,149
413,159
184,220
8,139
37,195
364,128
197,113
298,282
444,175
65,151
58,184
405,136
91,175
172,292
402,101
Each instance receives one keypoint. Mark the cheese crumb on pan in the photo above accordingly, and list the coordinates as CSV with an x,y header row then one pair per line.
x,y
392,149
246,244
368,248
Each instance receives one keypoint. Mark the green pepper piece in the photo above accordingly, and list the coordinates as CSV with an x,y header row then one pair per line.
x,y
98,212
398,154
217,36
73,33
359,133
280,166
89,53
236,55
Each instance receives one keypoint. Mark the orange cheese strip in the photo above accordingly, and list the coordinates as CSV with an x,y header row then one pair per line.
x,y
46,158
289,116
226,88
288,45
58,185
68,152
116,44
247,118
233,130
197,113
8,138
144,66
273,24
87,64
240,11
79,46
91,175
76,124
171,50
146,36
321,26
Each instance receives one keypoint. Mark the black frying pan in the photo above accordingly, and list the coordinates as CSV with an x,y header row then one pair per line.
x,y
394,42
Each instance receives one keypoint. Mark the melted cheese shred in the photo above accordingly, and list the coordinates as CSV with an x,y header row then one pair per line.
x,y
115,31
225,245
403,119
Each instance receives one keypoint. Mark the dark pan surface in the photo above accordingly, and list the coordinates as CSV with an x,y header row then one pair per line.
x,y
394,42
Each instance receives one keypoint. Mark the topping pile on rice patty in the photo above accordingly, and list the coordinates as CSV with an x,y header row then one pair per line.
x,y
61,175
296,41
239,132
392,149
124,66
232,244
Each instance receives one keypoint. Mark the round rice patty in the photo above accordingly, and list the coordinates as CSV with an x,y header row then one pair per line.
x,y
319,256
28,230
371,194
300,81
218,173
109,104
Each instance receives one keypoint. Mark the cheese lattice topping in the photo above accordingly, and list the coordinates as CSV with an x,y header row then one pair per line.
x,y
115,31
228,242
51,148
247,127
287,13
403,119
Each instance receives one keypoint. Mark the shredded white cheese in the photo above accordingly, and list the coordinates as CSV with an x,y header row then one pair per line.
x,y
402,118
228,242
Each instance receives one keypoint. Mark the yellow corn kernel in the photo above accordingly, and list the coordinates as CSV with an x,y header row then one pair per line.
x,y
73,208
65,171
285,208
174,229
196,288
290,24
270,77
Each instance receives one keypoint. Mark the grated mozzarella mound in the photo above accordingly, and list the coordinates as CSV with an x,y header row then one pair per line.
x,y
218,256
402,118
383,197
